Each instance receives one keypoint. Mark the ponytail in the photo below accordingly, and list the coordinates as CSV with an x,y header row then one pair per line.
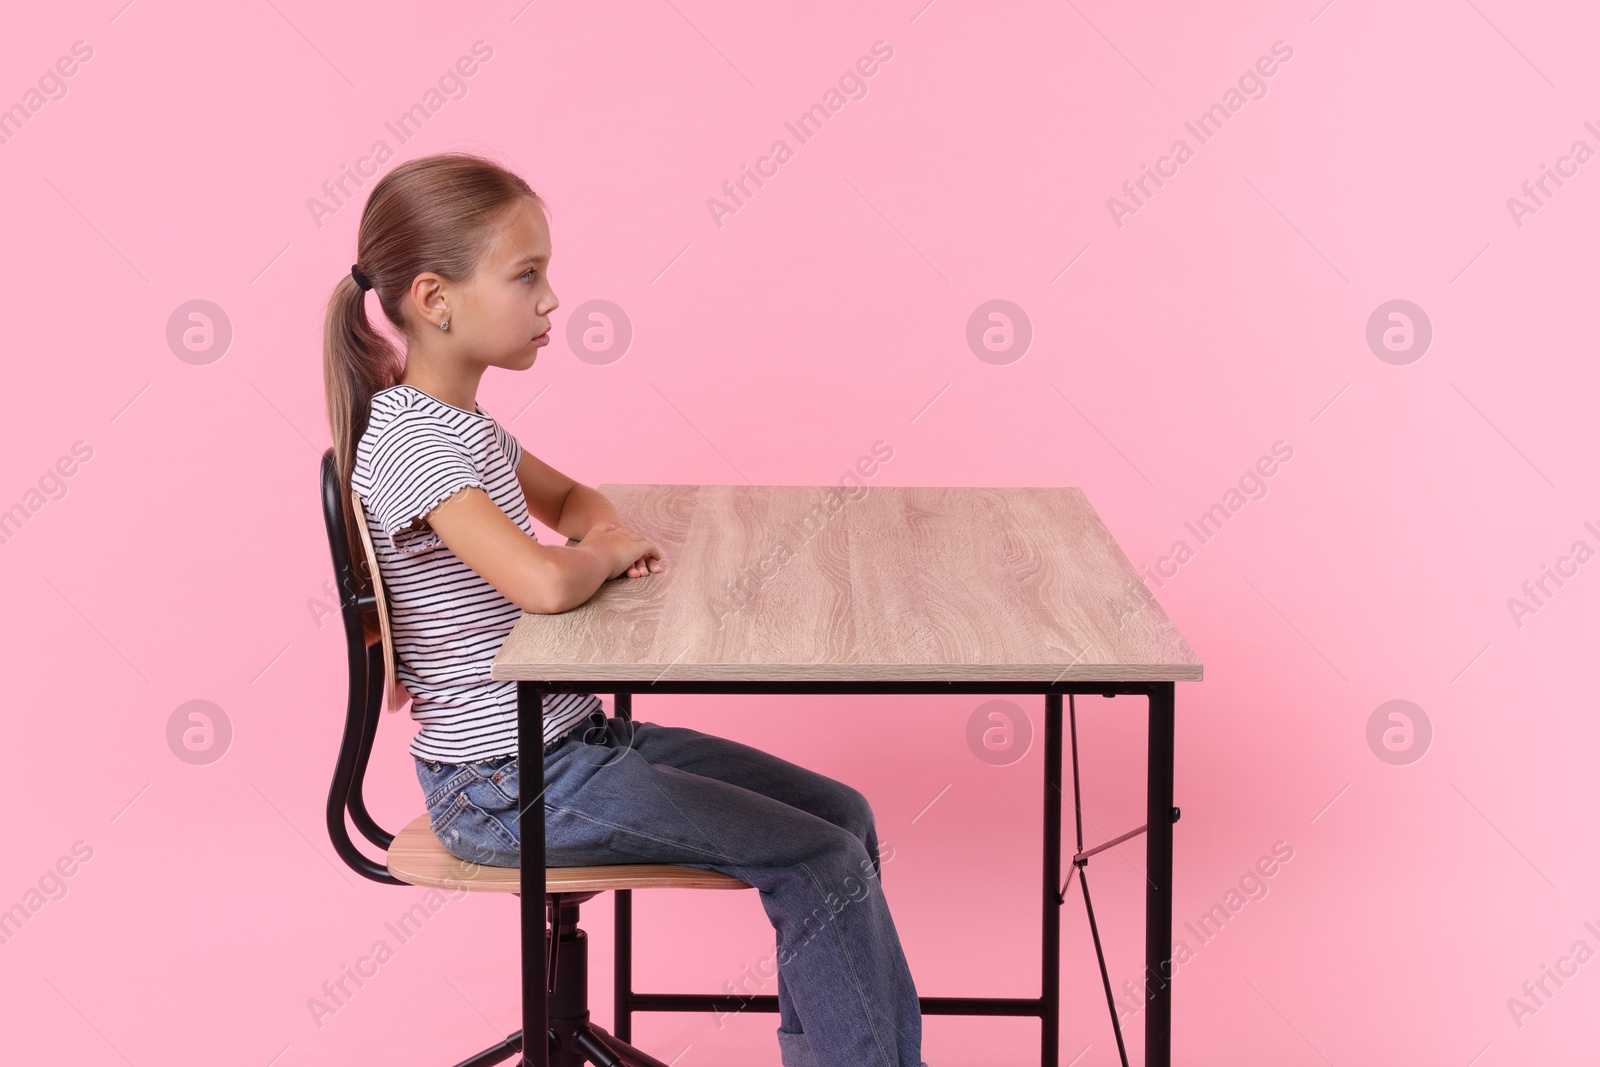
x,y
357,362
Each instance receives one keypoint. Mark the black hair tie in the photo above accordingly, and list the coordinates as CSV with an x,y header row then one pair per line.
x,y
361,279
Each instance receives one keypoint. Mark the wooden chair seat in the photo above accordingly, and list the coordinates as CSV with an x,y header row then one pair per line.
x,y
416,856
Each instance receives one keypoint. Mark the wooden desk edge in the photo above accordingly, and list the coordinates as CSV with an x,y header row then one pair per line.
x,y
1040,674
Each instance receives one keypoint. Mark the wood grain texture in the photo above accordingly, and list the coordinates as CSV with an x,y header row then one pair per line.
x,y
395,693
417,857
900,583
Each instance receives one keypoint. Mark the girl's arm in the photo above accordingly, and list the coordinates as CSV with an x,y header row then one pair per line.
x,y
583,509
568,507
541,579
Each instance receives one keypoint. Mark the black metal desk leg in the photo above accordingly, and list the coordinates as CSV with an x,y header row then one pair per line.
x,y
1158,892
530,775
622,1024
1050,978
622,955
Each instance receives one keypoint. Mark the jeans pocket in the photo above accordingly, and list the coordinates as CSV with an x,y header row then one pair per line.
x,y
470,833
439,786
499,778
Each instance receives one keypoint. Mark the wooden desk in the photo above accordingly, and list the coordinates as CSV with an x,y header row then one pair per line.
x,y
802,589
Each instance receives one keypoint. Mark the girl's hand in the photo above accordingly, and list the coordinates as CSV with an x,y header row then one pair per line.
x,y
645,564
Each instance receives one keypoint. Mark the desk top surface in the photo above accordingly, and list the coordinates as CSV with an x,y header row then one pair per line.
x,y
900,583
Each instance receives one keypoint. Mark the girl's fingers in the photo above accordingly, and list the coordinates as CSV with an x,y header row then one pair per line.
x,y
644,565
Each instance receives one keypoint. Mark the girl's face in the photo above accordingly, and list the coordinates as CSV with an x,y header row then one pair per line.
x,y
503,315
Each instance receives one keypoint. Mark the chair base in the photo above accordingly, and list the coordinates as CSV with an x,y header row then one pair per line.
x,y
573,1040
495,1053
573,1044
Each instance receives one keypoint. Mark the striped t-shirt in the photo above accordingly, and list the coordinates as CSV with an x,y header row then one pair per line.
x,y
448,621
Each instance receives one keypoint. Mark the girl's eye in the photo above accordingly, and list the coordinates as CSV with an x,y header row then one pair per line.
x,y
528,272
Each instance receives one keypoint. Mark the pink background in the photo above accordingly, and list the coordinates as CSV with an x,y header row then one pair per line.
x,y
186,560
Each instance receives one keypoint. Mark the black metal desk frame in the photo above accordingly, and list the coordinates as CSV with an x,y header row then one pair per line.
x,y
1160,815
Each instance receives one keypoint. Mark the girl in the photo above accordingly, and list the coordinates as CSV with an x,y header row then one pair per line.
x,y
457,251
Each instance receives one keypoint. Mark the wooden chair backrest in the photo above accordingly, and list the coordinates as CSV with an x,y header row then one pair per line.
x,y
394,694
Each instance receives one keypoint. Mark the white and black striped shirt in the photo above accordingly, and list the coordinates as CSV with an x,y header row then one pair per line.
x,y
448,622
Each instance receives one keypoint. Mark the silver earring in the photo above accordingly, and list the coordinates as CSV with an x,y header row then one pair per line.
x,y
445,325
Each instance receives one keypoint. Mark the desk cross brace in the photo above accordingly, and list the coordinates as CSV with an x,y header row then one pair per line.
x,y
1081,859
1080,864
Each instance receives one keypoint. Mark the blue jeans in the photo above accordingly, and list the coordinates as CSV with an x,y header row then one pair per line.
x,y
621,791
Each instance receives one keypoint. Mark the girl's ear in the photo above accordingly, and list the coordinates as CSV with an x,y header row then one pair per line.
x,y
427,296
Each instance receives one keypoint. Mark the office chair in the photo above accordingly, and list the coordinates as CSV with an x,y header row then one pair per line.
x,y
414,856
